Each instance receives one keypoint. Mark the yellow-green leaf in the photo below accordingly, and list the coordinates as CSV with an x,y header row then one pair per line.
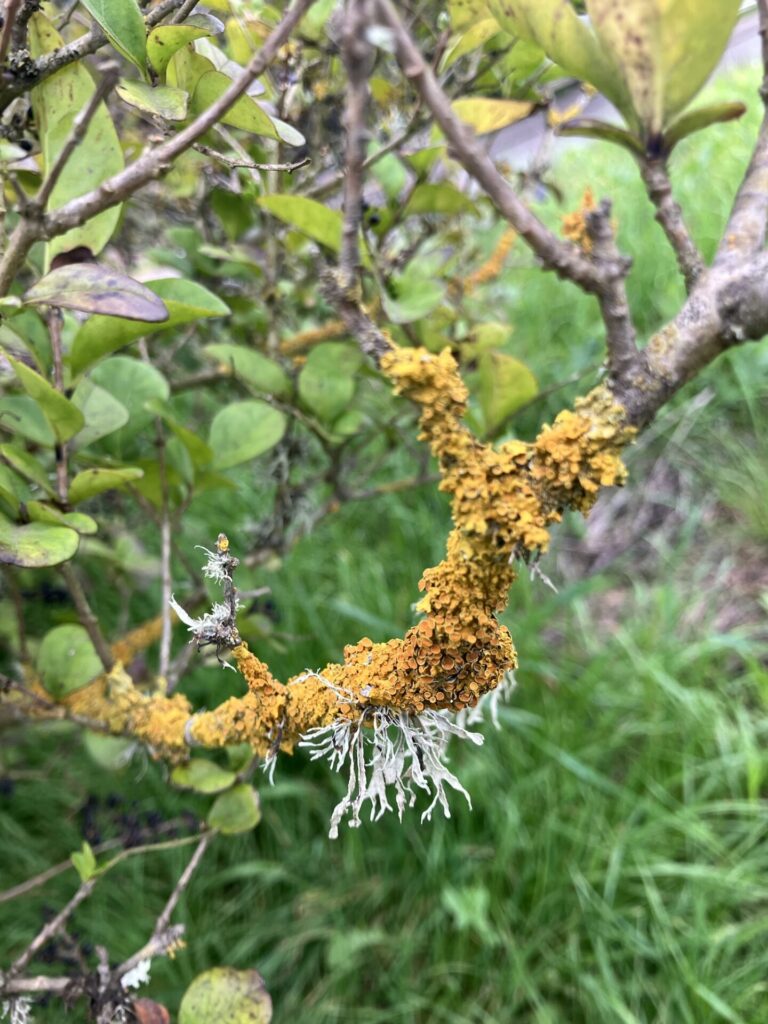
x,y
202,775
565,38
663,49
236,810
63,416
245,113
471,38
165,40
242,430
95,481
36,545
164,101
225,994
67,660
57,100
489,115
505,385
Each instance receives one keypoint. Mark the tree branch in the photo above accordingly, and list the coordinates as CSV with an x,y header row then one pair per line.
x,y
356,53
669,215
563,257
746,229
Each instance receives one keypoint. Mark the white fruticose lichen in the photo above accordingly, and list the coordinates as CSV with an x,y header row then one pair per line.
x,y
218,564
18,1010
387,749
489,703
137,976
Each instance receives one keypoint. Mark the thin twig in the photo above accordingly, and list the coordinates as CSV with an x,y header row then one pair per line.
x,y
85,613
49,930
184,12
165,554
356,52
54,331
9,19
669,215
249,164
371,340
160,933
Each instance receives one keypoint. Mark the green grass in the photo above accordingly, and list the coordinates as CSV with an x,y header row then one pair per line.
x,y
614,867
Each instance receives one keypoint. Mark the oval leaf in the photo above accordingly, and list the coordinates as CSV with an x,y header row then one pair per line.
x,y
489,115
243,430
185,301
165,40
327,379
251,366
36,545
237,810
103,413
161,100
203,776
94,289
39,512
224,994
67,660
91,482
245,113
57,100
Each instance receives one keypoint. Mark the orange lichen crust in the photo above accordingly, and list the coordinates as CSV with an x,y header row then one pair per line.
x,y
494,265
504,500
575,223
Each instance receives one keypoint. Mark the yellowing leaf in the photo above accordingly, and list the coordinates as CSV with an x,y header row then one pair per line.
x,y
225,994
565,38
467,12
663,49
161,100
36,545
165,40
57,100
470,39
245,113
489,115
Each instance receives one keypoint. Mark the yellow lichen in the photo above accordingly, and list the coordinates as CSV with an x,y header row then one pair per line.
x,y
575,223
504,501
493,266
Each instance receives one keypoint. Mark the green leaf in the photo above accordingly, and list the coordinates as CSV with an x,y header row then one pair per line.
x,y
199,451
40,512
416,297
67,660
91,482
470,39
26,465
136,385
36,545
64,416
224,994
242,430
327,379
57,101
307,215
245,113
505,384
94,289
701,117
236,810
251,366
588,128
84,862
565,38
160,100
102,411
663,51
186,302
124,27
203,776
489,115
24,416
109,752
165,40
438,198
